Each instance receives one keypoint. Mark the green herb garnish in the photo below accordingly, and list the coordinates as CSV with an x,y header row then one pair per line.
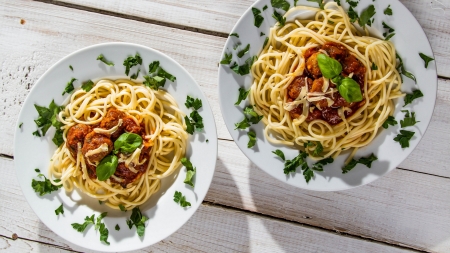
x,y
401,69
280,154
264,8
279,18
69,87
102,59
194,103
389,121
409,120
21,124
352,14
363,160
128,143
87,86
81,227
135,75
319,2
234,34
254,117
227,59
410,97
374,67
243,124
117,227
44,187
426,59
318,166
122,208
366,16
190,171
107,167
283,4
138,220
131,61
59,210
258,19
242,95
243,51
318,150
404,137
388,11
252,139
180,199
291,165
71,68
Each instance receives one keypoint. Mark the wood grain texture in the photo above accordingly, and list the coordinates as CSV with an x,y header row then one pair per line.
x,y
20,245
211,229
221,16
28,50
403,207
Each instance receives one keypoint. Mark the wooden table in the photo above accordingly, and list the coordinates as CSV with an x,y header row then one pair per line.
x,y
245,209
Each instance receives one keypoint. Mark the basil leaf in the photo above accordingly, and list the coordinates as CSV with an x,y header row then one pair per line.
x,y
128,143
107,167
350,90
329,67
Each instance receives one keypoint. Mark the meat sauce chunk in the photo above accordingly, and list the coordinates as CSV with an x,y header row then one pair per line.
x,y
312,65
296,86
75,135
352,65
130,125
335,50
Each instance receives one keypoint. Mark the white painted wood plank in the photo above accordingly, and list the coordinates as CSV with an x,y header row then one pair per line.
x,y
221,16
20,245
403,207
211,229
28,50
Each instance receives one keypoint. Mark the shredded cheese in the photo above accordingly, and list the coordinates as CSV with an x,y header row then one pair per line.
x,y
108,131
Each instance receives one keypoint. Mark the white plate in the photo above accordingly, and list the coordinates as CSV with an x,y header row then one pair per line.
x,y
165,215
409,41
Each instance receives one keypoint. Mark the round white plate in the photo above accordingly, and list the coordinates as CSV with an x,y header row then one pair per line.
x,y
165,216
409,41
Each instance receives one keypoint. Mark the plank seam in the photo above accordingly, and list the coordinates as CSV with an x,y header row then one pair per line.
x,y
48,244
135,18
394,244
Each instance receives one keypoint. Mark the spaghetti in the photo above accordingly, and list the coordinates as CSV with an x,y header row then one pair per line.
x,y
284,60
160,121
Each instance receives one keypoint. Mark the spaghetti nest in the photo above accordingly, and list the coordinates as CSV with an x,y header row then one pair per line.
x,y
283,60
160,121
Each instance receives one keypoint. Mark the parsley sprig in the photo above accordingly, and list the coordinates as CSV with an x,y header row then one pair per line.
x,y
404,137
190,171
258,19
180,199
252,139
131,61
195,121
44,187
226,58
47,118
388,11
401,69
426,59
87,86
138,220
409,120
103,59
389,121
283,4
243,94
411,97
252,117
81,227
320,2
59,210
157,76
363,160
69,87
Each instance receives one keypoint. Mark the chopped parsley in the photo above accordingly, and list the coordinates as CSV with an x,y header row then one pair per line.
x,y
190,171
410,97
409,120
81,227
69,87
366,16
44,187
131,61
252,139
388,11
389,36
59,210
426,59
318,166
389,33
100,202
122,208
99,220
104,232
243,69
352,3
254,117
242,95
180,199
135,75
352,14
243,124
71,68
337,1
279,18
404,137
265,42
157,76
102,59
234,34
258,19
363,160
389,121
318,150
207,140
226,59
374,66
137,220
236,46
401,69
261,34
243,51
47,118
283,4
21,124
295,2
264,8
194,103
117,227
320,2
291,165
197,120
87,86
280,154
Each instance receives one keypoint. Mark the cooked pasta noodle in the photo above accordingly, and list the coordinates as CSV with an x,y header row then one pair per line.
x,y
282,59
156,111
